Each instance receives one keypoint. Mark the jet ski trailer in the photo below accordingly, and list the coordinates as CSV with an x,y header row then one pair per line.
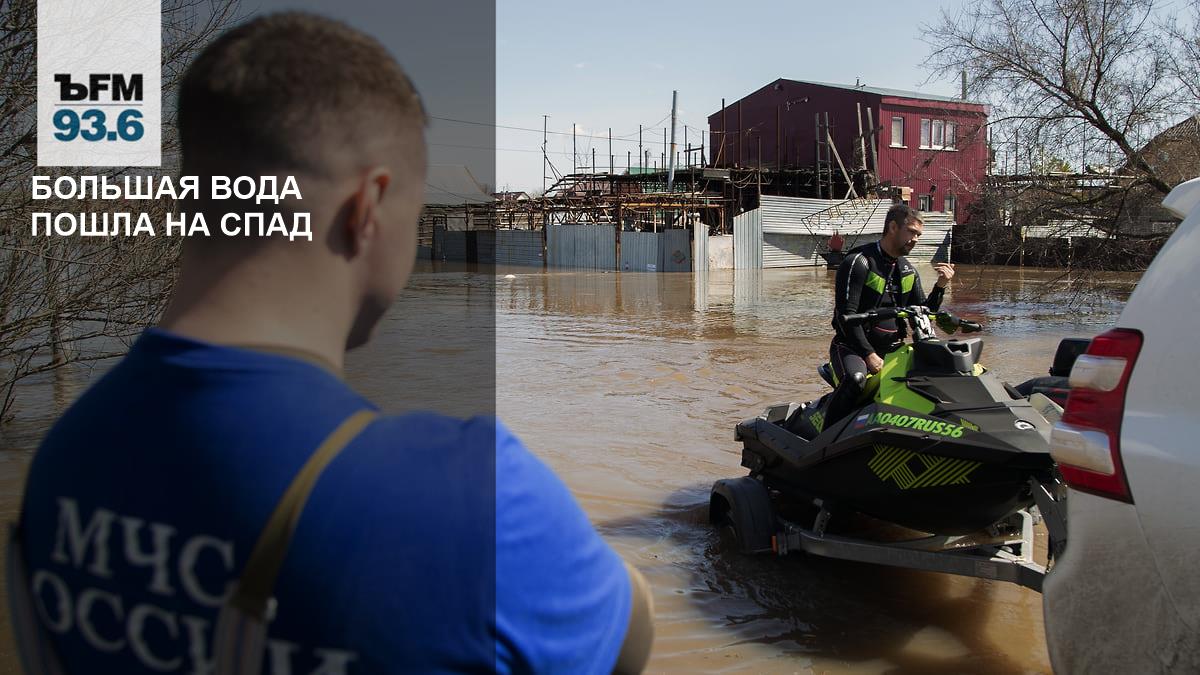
x,y
939,446
1002,552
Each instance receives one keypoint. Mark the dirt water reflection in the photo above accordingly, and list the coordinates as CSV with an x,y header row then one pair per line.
x,y
629,386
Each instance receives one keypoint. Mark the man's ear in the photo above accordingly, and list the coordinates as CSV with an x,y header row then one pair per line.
x,y
361,225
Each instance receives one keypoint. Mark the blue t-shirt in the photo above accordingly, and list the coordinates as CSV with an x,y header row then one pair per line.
x,y
429,544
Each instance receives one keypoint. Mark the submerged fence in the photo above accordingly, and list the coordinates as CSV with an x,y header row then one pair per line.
x,y
579,246
500,247
586,246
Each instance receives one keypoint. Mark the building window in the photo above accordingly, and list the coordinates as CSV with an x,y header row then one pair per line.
x,y
939,134
924,203
951,203
897,132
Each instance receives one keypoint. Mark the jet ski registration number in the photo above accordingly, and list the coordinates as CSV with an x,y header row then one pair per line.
x,y
912,422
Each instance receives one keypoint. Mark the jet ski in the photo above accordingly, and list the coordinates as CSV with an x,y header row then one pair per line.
x,y
1056,385
938,443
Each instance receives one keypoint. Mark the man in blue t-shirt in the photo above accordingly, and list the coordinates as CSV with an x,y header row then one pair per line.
x,y
428,544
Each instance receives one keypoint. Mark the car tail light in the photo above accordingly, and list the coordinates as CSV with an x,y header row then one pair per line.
x,y
1087,442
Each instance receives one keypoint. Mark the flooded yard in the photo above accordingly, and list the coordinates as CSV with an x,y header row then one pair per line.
x,y
629,386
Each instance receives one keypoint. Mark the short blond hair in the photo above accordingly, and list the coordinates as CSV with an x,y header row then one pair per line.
x,y
261,96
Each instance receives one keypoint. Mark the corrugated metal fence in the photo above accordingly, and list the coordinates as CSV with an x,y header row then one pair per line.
x,y
519,247
936,238
666,251
748,241
795,231
449,244
485,246
674,251
792,250
700,247
639,252
855,218
504,247
587,246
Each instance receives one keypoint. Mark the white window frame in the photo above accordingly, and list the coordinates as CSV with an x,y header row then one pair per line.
x,y
938,137
898,139
950,203
951,135
924,203
925,133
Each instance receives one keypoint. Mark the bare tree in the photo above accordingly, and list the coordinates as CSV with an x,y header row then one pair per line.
x,y
73,300
1108,86
1082,76
1184,31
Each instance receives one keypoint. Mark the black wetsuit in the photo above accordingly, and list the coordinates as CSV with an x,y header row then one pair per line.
x,y
869,279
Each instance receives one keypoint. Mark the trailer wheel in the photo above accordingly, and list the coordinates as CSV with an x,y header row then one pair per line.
x,y
727,534
741,509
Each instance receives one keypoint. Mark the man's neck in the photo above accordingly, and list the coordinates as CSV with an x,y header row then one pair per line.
x,y
883,248
250,308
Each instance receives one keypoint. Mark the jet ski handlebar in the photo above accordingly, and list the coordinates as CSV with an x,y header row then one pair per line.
x,y
945,320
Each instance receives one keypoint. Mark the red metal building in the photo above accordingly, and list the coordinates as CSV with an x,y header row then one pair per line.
x,y
935,145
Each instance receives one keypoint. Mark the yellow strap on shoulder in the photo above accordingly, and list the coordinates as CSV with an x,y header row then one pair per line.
x,y
255,589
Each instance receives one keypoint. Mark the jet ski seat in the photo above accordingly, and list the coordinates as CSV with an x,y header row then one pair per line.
x,y
947,356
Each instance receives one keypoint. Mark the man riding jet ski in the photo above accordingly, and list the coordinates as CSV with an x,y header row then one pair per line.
x,y
917,431
872,277
936,442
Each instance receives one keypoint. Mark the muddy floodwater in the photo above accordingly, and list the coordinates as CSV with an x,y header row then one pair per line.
x,y
629,386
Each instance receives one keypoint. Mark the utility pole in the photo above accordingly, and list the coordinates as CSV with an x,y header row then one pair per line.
x,y
738,162
671,155
874,142
724,135
758,173
640,147
778,141
829,152
610,155
692,175
545,159
862,141
817,150
574,154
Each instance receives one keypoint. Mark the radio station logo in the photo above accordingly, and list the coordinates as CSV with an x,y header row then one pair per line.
x,y
76,118
99,83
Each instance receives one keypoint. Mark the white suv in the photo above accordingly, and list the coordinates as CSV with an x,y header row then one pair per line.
x,y
1124,596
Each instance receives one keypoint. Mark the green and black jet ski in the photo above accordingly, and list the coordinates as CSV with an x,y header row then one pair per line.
x,y
939,444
